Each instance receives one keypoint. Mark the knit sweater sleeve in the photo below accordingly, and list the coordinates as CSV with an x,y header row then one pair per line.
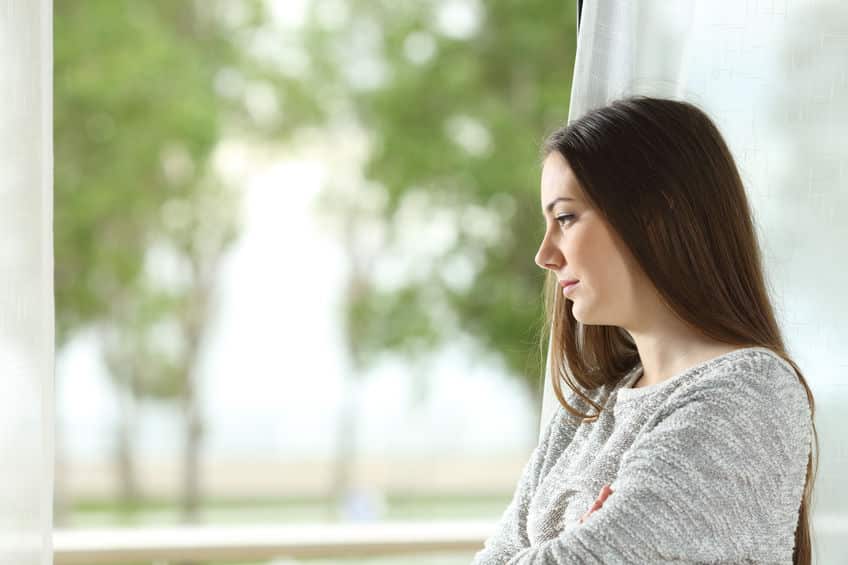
x,y
510,534
715,475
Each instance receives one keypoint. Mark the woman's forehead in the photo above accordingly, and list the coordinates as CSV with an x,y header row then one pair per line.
x,y
558,180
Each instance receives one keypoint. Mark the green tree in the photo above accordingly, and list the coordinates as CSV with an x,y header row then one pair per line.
x,y
455,124
136,120
456,99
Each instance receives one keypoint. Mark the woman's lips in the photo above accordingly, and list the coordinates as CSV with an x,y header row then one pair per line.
x,y
568,286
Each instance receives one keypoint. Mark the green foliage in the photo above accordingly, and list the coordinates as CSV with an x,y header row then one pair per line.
x,y
137,116
133,82
511,79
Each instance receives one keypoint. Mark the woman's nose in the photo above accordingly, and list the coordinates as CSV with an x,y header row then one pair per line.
x,y
548,257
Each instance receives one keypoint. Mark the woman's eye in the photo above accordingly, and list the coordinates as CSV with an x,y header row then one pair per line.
x,y
564,217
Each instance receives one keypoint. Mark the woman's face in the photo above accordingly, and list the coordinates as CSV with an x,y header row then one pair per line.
x,y
579,245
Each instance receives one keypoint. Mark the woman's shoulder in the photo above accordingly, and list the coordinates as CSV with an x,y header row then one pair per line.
x,y
757,377
756,367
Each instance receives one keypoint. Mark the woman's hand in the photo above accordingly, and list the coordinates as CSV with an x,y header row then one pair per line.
x,y
605,492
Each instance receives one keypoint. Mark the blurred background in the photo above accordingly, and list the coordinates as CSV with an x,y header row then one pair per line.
x,y
294,247
294,267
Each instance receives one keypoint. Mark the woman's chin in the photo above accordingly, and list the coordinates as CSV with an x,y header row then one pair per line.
x,y
577,313
581,315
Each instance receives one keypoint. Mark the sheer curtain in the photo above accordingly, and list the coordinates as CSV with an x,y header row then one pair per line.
x,y
774,76
26,282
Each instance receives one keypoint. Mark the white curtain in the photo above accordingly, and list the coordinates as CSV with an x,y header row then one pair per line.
x,y
774,77
26,282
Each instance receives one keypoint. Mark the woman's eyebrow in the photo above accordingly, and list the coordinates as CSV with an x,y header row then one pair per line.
x,y
555,200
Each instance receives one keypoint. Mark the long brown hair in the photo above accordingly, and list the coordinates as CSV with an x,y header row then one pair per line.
x,y
662,176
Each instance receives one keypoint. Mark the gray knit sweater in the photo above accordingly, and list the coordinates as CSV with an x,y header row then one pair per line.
x,y
707,466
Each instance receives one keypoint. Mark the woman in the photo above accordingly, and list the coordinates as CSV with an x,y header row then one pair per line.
x,y
686,431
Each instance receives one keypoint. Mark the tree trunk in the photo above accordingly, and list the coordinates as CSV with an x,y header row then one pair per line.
x,y
194,324
345,449
121,367
341,486
61,496
191,454
125,449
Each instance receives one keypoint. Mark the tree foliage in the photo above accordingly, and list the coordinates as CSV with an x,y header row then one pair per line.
x,y
455,123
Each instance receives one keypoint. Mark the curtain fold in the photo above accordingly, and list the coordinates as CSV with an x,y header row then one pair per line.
x,y
773,76
26,282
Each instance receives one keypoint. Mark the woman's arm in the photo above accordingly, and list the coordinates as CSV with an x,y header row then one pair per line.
x,y
510,535
716,476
